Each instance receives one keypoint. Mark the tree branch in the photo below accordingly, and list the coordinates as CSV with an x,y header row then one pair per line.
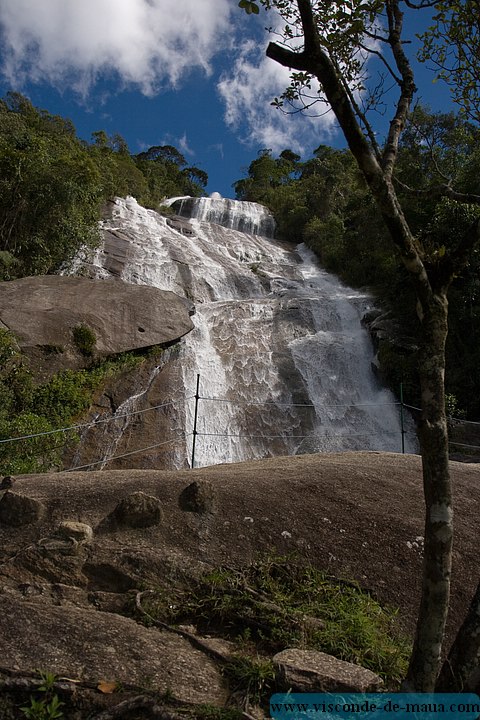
x,y
381,57
312,43
318,63
440,191
363,119
407,87
420,6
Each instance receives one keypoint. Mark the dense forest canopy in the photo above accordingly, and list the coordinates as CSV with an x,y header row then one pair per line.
x,y
53,185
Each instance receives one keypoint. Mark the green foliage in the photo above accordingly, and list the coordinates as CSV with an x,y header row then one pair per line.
x,y
452,45
32,455
15,379
451,407
8,346
26,409
49,190
53,186
65,396
265,174
84,339
253,678
281,604
47,706
341,29
166,175
249,7
70,392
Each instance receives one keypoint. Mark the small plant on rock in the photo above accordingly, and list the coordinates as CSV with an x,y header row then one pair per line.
x,y
84,338
46,707
253,678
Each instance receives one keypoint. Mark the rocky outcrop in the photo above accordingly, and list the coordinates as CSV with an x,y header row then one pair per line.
x,y
137,510
311,671
66,580
43,311
385,328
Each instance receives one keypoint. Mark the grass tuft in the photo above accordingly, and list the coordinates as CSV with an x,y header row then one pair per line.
x,y
276,603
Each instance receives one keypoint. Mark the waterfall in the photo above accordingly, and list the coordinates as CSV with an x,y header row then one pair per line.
x,y
283,360
246,217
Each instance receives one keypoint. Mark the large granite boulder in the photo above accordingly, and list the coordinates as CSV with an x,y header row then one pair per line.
x,y
43,311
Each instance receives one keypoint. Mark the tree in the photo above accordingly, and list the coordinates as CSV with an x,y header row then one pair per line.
x,y
163,167
451,46
332,43
49,190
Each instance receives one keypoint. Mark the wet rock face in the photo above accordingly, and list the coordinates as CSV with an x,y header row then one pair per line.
x,y
246,217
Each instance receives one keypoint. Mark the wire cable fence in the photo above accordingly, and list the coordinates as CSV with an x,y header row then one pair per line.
x,y
182,435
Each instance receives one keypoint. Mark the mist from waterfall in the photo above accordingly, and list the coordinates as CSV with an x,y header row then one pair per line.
x,y
283,361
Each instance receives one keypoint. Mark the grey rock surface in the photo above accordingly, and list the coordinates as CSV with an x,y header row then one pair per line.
x,y
43,310
354,515
81,532
96,646
313,671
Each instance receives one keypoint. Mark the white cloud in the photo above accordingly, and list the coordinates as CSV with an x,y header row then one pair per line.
x,y
148,43
184,146
247,91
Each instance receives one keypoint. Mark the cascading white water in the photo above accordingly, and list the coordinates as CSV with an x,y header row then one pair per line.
x,y
246,217
351,407
284,363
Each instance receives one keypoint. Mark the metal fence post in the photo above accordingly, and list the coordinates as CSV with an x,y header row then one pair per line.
x,y
195,416
402,423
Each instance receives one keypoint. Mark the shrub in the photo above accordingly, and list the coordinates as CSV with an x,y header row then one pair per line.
x,y
27,410
84,339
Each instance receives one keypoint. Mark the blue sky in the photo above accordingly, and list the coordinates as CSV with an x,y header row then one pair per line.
x,y
190,73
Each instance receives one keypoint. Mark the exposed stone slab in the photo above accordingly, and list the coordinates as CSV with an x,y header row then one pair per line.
x,y
43,310
94,646
313,671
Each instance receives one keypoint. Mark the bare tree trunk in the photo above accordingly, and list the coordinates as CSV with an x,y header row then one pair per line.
x,y
431,286
463,661
426,655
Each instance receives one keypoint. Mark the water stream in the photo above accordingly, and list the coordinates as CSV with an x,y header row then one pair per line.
x,y
283,360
